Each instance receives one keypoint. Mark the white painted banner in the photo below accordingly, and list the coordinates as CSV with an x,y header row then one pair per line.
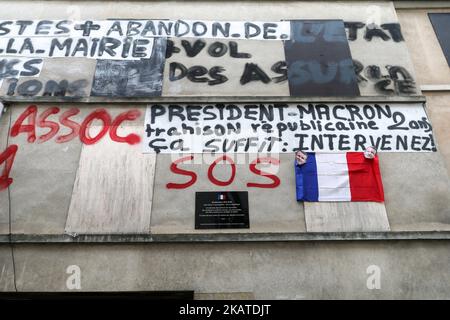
x,y
280,128
82,47
120,39
256,30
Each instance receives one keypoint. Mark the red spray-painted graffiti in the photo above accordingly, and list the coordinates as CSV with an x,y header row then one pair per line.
x,y
174,168
81,130
213,179
33,120
276,181
30,119
7,157
252,167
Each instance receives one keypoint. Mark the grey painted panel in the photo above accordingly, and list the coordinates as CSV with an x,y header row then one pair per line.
x,y
43,175
251,54
60,77
417,191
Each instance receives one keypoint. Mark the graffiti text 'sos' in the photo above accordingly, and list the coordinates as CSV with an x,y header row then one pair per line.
x,y
275,181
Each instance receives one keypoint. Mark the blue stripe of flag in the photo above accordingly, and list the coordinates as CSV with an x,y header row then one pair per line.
x,y
306,183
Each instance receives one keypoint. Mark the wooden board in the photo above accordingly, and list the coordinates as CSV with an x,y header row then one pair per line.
x,y
113,189
345,216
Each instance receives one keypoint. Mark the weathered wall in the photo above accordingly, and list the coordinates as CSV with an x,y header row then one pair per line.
x,y
409,270
431,68
381,60
4,200
438,107
426,53
109,187
69,186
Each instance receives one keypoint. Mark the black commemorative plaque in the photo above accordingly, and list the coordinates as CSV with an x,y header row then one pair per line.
x,y
221,210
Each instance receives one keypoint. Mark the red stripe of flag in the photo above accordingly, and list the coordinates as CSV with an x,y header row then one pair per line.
x,y
365,178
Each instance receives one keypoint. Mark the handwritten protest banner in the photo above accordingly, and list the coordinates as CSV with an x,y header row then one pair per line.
x,y
280,128
81,47
120,39
257,30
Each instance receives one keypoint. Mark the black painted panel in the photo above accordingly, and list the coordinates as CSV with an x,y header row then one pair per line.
x,y
131,78
319,59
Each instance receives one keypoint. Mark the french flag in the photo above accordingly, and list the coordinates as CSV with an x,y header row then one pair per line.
x,y
222,196
339,177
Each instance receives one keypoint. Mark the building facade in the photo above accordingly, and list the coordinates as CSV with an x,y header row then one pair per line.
x,y
119,117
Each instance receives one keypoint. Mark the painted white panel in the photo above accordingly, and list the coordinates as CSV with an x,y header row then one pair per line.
x,y
113,189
